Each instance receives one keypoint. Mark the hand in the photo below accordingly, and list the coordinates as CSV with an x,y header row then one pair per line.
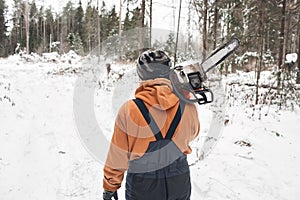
x,y
107,195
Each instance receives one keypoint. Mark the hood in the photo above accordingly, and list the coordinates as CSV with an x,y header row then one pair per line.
x,y
157,92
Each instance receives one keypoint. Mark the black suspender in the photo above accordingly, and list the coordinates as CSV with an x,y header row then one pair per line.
x,y
175,121
153,125
149,119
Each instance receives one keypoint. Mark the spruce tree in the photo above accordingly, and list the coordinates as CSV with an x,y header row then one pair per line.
x,y
133,21
67,25
88,28
79,16
113,21
170,44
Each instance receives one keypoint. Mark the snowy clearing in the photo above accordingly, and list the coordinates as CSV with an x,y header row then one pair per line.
x,y
42,155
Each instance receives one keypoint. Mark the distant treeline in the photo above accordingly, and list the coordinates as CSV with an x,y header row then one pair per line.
x,y
271,26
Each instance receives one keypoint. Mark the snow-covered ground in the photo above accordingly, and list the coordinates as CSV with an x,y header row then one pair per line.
x,y
43,155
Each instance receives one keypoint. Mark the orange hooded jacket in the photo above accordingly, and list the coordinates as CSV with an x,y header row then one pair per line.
x,y
132,135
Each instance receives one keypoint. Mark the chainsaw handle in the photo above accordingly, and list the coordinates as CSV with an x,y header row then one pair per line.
x,y
204,99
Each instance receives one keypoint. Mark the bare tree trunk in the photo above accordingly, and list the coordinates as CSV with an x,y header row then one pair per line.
x,y
120,31
89,42
61,36
188,46
287,40
268,39
73,22
215,23
50,41
51,35
44,31
229,15
37,31
21,30
26,16
177,34
204,30
120,19
150,39
57,30
99,33
281,45
261,31
142,25
298,72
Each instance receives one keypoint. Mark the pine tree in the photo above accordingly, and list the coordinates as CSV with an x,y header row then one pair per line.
x,y
281,43
57,29
41,29
49,27
16,36
33,28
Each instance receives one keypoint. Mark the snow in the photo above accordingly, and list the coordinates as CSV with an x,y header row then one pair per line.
x,y
291,57
43,154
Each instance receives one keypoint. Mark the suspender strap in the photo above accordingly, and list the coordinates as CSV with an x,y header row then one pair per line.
x,y
175,121
152,124
149,119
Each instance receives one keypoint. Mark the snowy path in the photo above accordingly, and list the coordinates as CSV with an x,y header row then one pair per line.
x,y
41,154
42,157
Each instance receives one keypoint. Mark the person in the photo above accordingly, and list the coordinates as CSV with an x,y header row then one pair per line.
x,y
151,138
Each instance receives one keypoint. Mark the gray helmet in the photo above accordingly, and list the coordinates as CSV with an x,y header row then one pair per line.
x,y
153,64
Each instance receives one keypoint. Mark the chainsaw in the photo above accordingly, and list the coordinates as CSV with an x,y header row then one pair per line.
x,y
188,81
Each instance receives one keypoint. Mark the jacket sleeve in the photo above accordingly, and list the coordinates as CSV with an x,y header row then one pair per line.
x,y
196,123
118,156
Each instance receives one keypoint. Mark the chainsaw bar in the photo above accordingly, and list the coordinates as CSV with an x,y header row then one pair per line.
x,y
220,54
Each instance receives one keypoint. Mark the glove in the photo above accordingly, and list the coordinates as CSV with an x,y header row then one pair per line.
x,y
107,195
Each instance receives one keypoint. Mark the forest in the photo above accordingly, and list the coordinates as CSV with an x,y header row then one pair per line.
x,y
268,30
